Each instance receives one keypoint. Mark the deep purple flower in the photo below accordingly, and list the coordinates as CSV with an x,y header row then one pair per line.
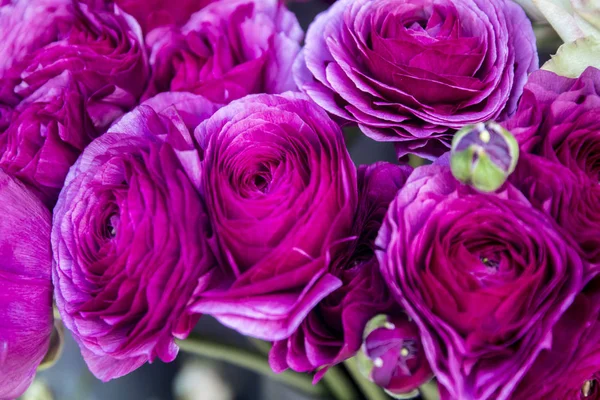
x,y
412,72
559,119
573,202
25,286
392,355
485,277
68,70
569,368
282,193
131,237
227,50
332,331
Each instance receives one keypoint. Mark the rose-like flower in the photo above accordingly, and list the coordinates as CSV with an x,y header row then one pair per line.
x,y
414,71
227,50
131,237
282,193
68,71
26,286
573,203
569,368
46,136
332,332
484,276
559,119
154,13
392,355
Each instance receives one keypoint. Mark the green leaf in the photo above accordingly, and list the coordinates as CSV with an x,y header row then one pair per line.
x,y
573,58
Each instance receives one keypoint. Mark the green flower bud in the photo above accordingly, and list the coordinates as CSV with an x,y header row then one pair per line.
x,y
392,356
484,155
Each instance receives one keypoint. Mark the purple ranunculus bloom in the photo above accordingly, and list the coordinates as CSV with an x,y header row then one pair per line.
x,y
332,331
485,276
227,50
412,72
282,193
25,286
559,119
67,71
131,237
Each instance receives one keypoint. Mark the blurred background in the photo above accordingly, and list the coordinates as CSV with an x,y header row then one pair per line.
x,y
193,377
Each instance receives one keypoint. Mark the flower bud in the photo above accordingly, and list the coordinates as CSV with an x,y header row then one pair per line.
x,y
392,357
484,155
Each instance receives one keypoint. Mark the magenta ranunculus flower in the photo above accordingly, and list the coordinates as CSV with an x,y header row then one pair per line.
x,y
227,50
569,368
559,119
131,237
68,70
412,72
485,277
25,286
282,193
332,331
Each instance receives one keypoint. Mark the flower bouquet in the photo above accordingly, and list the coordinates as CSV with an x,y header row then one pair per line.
x,y
165,160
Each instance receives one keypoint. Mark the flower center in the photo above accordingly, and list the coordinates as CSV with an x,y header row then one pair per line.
x,y
111,226
404,352
491,264
261,182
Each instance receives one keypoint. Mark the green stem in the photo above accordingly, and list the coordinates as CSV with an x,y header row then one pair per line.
x,y
369,389
254,362
260,345
339,385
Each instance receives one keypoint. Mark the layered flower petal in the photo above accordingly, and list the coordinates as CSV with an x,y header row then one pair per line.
x,y
132,239
68,71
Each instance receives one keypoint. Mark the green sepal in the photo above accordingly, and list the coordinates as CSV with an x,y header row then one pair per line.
x,y
378,321
365,364
487,177
461,164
